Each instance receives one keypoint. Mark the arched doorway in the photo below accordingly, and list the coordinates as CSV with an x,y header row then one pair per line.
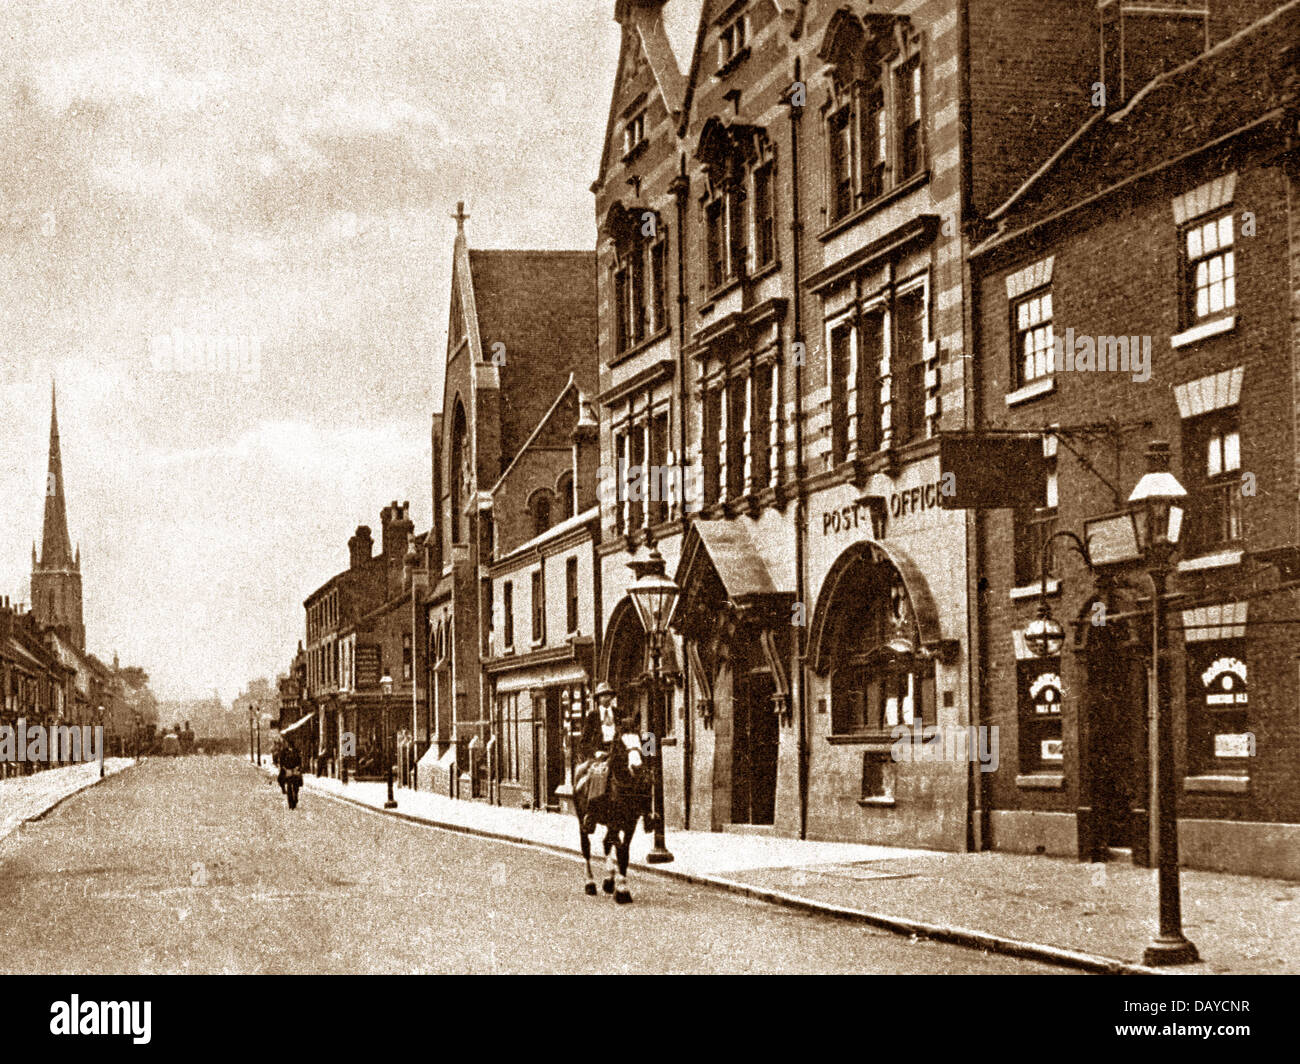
x,y
624,659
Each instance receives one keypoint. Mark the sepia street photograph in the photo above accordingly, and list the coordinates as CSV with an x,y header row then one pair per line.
x,y
648,487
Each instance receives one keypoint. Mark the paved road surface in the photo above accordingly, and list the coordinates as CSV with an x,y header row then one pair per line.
x,y
197,865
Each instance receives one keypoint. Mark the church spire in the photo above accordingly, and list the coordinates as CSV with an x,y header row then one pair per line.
x,y
56,548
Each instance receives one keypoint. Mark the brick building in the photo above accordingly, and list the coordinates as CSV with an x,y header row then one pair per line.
x,y
1168,220
543,634
521,325
355,629
783,208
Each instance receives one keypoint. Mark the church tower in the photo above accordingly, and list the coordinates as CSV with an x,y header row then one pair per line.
x,y
56,576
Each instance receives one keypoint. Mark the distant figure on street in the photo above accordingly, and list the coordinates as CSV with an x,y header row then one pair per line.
x,y
290,762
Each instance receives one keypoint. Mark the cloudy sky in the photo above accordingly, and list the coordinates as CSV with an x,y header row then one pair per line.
x,y
278,173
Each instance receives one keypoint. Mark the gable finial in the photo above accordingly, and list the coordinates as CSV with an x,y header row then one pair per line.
x,y
460,216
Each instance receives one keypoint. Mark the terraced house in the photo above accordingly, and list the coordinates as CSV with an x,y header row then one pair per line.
x,y
1168,217
784,202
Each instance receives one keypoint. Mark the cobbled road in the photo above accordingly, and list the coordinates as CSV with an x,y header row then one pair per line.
x,y
197,865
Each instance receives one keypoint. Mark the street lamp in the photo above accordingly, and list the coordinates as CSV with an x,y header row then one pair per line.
x,y
1156,509
101,742
250,734
386,685
655,596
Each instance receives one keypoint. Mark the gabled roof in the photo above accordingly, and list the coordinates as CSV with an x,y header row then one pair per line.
x,y
541,426
709,10
659,31
1242,81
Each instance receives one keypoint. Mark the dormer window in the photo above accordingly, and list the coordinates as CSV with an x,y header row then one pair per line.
x,y
732,42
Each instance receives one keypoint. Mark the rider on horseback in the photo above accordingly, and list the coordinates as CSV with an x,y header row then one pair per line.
x,y
598,731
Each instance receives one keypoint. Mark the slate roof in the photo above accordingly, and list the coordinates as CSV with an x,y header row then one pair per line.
x,y
1241,80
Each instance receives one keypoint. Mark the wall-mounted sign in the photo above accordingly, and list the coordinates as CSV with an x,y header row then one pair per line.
x,y
367,667
1111,540
866,515
992,472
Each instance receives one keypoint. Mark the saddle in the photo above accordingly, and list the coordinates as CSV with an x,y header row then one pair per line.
x,y
593,778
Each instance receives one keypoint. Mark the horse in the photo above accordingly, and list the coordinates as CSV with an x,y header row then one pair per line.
x,y
626,800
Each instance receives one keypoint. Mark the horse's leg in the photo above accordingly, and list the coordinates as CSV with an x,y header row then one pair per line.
x,y
611,862
590,886
621,894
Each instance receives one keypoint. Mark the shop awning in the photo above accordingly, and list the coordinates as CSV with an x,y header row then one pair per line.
x,y
298,724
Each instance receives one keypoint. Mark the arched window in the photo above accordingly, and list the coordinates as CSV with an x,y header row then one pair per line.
x,y
540,508
880,679
568,504
459,471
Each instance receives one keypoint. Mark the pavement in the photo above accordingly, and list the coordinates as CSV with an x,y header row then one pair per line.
x,y
24,798
1097,917
197,865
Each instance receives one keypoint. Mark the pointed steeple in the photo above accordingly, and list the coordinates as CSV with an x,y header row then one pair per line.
x,y
56,547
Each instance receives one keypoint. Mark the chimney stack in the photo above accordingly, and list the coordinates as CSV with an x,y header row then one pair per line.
x,y
360,547
397,528
1140,41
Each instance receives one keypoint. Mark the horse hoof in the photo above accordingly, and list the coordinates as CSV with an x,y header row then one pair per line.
x,y
623,897
590,888
608,885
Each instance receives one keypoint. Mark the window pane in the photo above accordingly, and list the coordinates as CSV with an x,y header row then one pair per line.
x,y
1214,457
1022,316
1047,306
1225,230
1193,244
1210,237
1232,451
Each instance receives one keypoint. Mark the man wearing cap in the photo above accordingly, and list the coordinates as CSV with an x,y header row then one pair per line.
x,y
598,731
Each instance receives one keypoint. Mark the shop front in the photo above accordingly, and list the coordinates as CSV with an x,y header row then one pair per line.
x,y
536,721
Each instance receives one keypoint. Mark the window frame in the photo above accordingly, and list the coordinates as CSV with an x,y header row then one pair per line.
x,y
537,596
1018,377
1204,487
1203,723
1189,314
572,603
507,615
906,391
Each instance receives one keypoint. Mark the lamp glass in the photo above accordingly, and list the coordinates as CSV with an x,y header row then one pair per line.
x,y
1045,636
386,684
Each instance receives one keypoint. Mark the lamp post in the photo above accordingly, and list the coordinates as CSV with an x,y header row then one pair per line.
x,y
1156,509
250,734
101,742
386,685
655,596
258,730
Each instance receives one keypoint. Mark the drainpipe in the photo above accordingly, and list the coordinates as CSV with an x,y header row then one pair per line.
x,y
681,190
801,499
977,833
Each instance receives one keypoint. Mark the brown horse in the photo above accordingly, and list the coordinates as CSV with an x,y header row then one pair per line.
x,y
625,801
